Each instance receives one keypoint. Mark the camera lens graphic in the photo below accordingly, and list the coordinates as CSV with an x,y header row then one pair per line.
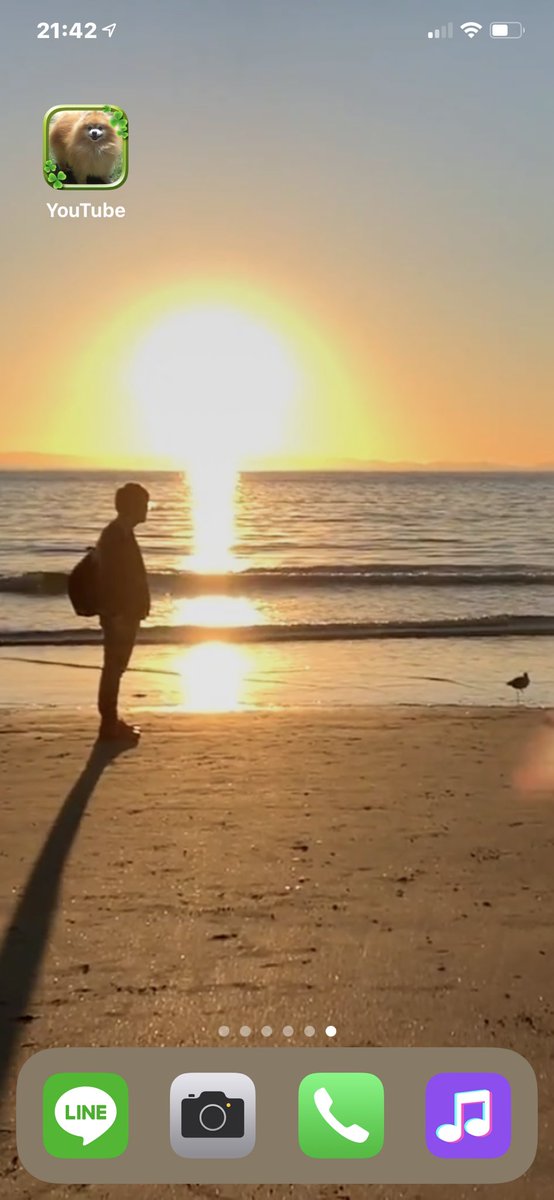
x,y
212,1117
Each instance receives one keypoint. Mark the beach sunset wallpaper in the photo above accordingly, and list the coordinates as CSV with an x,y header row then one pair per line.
x,y
276,548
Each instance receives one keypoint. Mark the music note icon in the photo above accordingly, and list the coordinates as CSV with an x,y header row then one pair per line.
x,y
475,1126
468,1115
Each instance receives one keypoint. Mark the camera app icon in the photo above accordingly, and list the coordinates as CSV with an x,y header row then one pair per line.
x,y
212,1115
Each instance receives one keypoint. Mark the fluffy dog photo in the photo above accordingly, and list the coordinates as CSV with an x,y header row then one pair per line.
x,y
86,147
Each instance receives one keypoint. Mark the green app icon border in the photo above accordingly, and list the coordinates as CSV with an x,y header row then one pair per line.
x,y
358,1098
84,187
61,1144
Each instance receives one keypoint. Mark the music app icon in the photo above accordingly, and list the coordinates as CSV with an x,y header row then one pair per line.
x,y
468,1115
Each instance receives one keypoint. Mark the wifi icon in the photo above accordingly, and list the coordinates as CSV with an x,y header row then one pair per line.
x,y
471,28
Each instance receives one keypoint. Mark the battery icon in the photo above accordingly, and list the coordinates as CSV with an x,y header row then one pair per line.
x,y
506,29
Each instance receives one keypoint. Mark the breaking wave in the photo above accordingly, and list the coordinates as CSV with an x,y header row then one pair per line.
x,y
260,579
464,627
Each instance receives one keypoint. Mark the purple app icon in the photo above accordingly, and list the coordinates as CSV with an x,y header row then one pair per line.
x,y
468,1114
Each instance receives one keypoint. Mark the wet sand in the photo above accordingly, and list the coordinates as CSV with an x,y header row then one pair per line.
x,y
372,868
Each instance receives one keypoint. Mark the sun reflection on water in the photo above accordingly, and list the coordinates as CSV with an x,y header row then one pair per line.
x,y
213,489
216,611
213,674
213,677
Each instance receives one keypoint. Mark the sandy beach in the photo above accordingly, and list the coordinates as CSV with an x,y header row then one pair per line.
x,y
376,869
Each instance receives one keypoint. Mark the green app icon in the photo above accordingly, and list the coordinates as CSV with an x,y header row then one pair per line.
x,y
85,1115
341,1115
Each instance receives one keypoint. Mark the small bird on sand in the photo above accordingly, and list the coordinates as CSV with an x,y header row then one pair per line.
x,y
519,684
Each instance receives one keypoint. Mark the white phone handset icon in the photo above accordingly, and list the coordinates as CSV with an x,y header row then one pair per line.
x,y
323,1103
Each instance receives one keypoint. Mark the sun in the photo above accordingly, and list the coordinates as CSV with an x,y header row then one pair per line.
x,y
213,385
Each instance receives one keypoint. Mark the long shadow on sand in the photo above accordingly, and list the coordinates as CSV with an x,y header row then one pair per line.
x,y
26,940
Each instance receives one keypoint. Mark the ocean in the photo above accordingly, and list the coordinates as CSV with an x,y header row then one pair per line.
x,y
283,558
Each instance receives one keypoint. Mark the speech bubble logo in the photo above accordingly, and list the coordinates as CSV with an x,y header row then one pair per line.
x,y
85,1113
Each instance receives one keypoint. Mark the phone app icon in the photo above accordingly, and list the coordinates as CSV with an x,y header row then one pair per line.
x,y
341,1115
85,1115
85,147
212,1115
468,1115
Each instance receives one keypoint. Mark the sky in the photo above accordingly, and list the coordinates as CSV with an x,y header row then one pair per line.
x,y
337,243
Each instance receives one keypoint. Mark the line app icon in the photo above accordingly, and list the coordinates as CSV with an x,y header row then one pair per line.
x,y
85,1115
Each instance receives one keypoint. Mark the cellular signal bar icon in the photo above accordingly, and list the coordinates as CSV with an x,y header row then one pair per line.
x,y
445,31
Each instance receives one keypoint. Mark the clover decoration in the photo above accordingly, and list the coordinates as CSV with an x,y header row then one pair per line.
x,y
53,174
118,120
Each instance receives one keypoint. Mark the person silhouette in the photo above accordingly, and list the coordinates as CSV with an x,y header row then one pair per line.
x,y
123,602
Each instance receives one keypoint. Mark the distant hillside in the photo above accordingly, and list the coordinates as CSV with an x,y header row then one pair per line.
x,y
32,461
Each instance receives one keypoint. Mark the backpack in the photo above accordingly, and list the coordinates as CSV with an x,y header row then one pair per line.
x,y
82,586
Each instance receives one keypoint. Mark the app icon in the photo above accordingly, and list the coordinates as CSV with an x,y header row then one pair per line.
x,y
85,1115
341,1115
468,1115
85,147
212,1115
